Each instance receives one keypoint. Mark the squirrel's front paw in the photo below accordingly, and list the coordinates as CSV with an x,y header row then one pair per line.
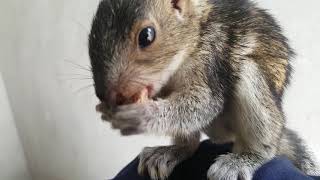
x,y
131,119
159,162
234,167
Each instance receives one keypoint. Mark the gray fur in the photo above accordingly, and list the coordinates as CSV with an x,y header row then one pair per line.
x,y
217,66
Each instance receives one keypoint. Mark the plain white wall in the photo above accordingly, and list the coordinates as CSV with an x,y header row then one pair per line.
x,y
62,135
12,161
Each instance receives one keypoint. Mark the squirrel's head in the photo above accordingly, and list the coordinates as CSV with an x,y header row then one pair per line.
x,y
137,44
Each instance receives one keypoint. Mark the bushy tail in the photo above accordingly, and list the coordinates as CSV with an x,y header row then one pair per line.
x,y
294,148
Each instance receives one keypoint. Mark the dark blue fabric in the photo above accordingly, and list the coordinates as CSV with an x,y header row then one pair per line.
x,y
196,167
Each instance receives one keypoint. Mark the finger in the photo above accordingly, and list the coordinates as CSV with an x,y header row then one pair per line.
x,y
120,126
99,107
130,131
125,123
128,107
126,114
106,118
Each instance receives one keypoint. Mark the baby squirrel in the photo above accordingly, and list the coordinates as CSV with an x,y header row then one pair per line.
x,y
213,66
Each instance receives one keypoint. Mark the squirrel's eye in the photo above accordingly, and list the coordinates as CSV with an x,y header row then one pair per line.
x,y
146,37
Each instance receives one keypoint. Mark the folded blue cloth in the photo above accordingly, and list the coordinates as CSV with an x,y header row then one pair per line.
x,y
196,167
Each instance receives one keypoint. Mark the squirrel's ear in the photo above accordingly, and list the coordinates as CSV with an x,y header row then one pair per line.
x,y
184,7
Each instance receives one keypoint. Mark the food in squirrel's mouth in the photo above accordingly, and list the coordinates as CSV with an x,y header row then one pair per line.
x,y
140,97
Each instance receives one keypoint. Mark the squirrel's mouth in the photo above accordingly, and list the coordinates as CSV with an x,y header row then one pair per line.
x,y
141,96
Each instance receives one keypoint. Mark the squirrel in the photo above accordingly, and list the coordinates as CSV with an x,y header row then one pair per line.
x,y
208,66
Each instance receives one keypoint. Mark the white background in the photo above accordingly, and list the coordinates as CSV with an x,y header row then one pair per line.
x,y
61,135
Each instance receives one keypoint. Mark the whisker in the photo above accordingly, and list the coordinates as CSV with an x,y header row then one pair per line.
x,y
75,75
79,66
84,88
81,25
81,79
